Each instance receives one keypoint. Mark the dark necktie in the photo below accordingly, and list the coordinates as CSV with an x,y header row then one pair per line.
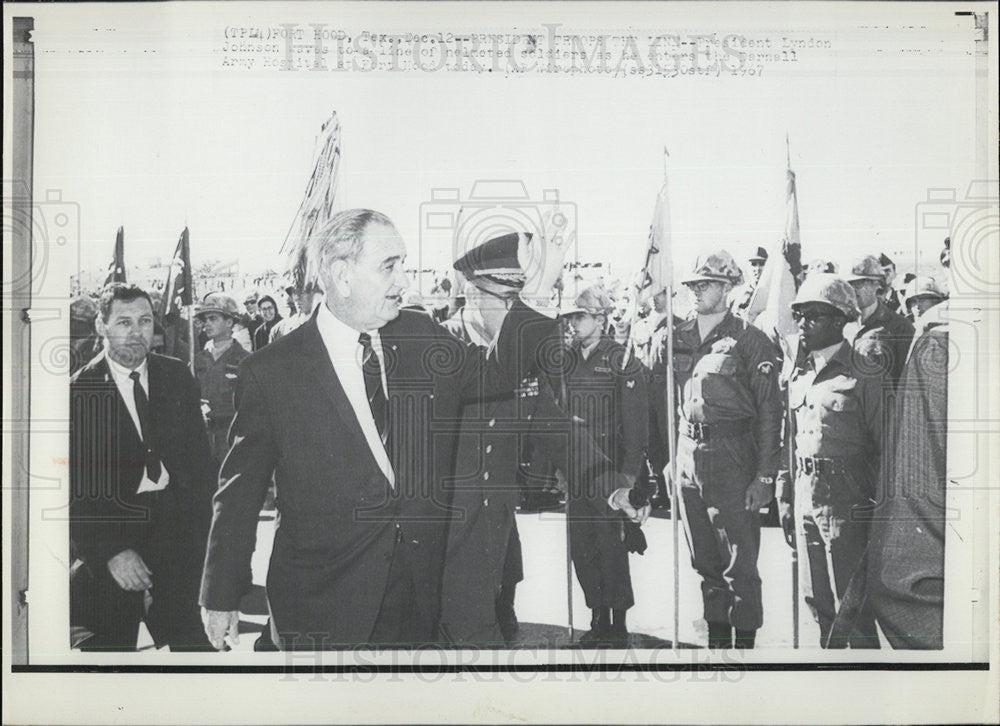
x,y
142,409
373,387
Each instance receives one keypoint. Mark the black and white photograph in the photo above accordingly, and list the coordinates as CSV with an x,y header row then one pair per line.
x,y
501,362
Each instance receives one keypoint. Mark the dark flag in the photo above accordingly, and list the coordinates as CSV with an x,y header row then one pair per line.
x,y
116,270
177,293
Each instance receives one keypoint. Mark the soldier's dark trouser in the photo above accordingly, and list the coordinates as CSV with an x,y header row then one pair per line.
x,y
599,555
218,438
724,538
834,546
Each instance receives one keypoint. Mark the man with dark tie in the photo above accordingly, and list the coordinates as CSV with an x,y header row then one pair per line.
x,y
353,414
141,477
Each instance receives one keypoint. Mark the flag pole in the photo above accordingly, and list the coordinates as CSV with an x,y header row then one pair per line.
x,y
672,441
791,468
191,341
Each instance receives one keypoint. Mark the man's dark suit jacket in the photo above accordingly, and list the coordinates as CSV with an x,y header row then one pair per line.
x,y
337,515
107,516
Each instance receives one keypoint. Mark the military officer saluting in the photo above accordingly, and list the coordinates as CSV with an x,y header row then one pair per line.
x,y
883,335
835,396
729,425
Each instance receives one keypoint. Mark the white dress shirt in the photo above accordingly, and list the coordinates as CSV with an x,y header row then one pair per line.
x,y
121,376
344,349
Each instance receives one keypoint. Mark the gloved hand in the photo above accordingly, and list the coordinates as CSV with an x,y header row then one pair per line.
x,y
787,517
635,540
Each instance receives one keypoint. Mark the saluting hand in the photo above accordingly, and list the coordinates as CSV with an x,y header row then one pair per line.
x,y
542,257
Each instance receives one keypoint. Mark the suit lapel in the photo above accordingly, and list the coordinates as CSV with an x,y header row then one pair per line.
x,y
320,369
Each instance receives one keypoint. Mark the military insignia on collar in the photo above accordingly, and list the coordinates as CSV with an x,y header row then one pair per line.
x,y
765,368
629,384
723,346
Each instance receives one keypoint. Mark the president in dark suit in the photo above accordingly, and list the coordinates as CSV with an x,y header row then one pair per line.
x,y
141,479
355,416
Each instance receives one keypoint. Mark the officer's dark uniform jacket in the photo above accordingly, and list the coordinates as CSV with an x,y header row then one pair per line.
x,y
836,431
729,382
885,337
496,437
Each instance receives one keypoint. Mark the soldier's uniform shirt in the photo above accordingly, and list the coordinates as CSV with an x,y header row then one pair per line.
x,y
730,413
885,338
836,402
611,398
217,378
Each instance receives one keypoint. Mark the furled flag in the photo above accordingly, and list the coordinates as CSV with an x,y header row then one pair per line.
x,y
318,203
656,270
769,308
655,277
116,270
177,293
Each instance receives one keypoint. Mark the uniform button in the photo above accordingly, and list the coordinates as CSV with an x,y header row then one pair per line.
x,y
492,422
489,448
486,476
486,502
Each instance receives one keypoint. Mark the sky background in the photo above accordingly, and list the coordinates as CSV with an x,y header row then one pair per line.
x,y
138,123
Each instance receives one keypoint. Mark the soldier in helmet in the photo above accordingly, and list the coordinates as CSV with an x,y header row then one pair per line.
x,y
729,425
607,394
920,295
835,398
216,367
820,266
757,262
883,335
742,296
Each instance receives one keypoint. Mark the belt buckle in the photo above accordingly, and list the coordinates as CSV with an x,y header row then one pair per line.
x,y
808,465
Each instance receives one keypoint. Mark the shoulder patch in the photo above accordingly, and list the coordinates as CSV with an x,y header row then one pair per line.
x,y
765,367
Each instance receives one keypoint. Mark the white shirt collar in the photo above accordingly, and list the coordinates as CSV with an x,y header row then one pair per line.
x,y
341,340
118,371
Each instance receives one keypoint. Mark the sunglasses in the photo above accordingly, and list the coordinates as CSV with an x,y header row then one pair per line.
x,y
809,317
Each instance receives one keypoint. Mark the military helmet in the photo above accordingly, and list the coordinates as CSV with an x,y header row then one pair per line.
x,y
923,287
594,300
716,266
218,303
867,268
821,265
830,289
